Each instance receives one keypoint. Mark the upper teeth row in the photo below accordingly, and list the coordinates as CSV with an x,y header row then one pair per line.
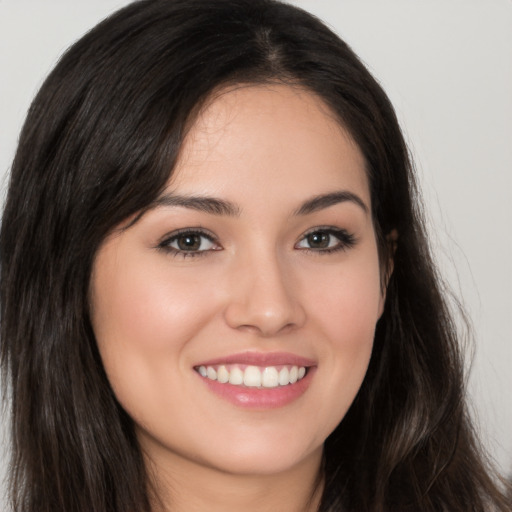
x,y
254,376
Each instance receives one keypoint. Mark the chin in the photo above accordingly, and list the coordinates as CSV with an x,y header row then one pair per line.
x,y
265,454
262,463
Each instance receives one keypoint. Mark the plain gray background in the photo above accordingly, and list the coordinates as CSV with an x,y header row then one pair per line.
x,y
447,67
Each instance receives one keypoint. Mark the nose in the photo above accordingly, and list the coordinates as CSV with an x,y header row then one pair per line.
x,y
264,298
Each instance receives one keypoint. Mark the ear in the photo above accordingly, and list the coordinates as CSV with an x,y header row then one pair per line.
x,y
388,266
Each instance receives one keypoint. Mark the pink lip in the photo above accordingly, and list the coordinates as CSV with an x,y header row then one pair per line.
x,y
261,359
261,398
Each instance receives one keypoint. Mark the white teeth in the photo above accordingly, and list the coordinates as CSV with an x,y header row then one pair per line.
x,y
284,376
270,377
222,374
253,376
236,376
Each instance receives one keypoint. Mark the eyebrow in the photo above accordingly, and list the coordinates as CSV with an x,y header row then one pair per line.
x,y
211,205
325,200
216,206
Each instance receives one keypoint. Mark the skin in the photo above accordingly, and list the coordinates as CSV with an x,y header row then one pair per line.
x,y
259,285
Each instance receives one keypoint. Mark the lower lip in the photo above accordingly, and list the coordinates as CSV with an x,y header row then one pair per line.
x,y
260,398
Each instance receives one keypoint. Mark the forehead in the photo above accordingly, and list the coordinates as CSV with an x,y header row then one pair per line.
x,y
260,136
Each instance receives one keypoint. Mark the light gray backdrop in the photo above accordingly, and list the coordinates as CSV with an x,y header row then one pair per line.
x,y
447,66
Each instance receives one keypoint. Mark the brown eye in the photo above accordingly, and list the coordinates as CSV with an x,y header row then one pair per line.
x,y
326,240
318,240
189,242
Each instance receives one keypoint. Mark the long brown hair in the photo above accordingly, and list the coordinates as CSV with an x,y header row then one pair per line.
x,y
96,148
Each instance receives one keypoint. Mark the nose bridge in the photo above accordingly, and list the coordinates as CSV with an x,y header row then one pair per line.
x,y
263,295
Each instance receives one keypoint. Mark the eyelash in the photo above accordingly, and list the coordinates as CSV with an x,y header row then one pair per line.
x,y
345,241
165,245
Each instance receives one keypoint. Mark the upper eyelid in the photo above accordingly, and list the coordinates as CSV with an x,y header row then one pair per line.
x,y
165,244
183,231
347,238
328,229
333,230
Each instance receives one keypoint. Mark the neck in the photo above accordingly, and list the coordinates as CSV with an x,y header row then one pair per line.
x,y
190,487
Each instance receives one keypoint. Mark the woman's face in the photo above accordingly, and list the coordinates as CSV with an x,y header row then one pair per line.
x,y
235,319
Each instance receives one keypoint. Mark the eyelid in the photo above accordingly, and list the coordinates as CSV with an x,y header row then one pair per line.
x,y
185,231
346,239
165,243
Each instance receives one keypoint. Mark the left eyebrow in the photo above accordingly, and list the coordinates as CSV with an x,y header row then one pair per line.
x,y
210,205
326,200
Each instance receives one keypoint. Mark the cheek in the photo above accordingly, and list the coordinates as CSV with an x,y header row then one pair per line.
x,y
143,307
350,304
346,315
143,319
349,320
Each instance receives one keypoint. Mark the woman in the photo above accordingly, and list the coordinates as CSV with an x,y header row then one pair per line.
x,y
216,287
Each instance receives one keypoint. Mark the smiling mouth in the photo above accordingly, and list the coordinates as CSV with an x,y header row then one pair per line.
x,y
253,376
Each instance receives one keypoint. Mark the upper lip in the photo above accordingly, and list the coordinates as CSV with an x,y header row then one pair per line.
x,y
261,359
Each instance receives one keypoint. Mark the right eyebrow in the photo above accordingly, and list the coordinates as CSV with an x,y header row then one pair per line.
x,y
207,204
326,200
